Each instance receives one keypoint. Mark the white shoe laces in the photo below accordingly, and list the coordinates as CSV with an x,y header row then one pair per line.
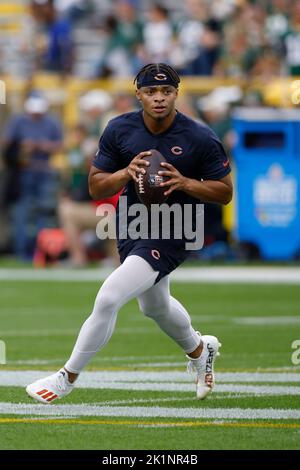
x,y
198,364
61,382
190,368
195,365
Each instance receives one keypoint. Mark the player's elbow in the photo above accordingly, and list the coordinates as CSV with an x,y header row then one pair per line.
x,y
225,190
93,193
94,189
96,184
227,196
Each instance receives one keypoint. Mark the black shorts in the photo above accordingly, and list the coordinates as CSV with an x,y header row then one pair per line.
x,y
164,256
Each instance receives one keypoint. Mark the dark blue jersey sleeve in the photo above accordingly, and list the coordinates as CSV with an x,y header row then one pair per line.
x,y
214,163
107,157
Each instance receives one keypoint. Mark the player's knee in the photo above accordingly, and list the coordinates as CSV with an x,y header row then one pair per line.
x,y
107,301
154,310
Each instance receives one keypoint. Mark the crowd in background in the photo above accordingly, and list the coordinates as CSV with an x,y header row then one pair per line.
x,y
46,212
197,37
37,198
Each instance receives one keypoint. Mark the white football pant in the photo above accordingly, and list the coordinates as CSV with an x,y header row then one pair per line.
x,y
134,278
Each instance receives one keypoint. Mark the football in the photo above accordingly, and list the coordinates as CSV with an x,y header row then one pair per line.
x,y
148,187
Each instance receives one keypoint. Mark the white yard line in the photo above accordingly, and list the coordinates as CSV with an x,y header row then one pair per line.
x,y
66,332
255,390
112,359
267,321
92,379
255,321
85,409
261,275
124,363
164,381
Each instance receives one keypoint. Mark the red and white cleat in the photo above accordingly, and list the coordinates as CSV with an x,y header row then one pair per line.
x,y
50,388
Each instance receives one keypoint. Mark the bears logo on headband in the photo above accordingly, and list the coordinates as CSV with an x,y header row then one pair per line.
x,y
160,76
153,79
157,74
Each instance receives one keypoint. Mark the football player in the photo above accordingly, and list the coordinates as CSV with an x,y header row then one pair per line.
x,y
198,170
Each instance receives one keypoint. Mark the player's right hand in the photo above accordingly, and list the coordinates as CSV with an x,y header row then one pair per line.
x,y
136,165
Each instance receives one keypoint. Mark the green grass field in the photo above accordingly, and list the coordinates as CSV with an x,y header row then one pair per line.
x,y
135,393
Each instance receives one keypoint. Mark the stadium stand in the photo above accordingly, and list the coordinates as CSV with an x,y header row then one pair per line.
x,y
251,45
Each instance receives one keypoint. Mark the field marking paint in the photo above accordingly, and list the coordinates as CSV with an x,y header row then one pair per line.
x,y
86,409
66,332
147,424
38,362
38,333
93,379
127,366
267,321
2,92
10,366
165,381
255,390
249,321
240,275
141,400
2,352
100,359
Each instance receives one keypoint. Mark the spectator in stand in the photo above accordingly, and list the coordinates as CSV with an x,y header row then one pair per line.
x,y
208,50
277,22
123,102
75,10
189,32
124,33
158,36
222,10
215,111
53,37
36,136
291,41
77,212
244,41
185,105
267,65
233,56
93,106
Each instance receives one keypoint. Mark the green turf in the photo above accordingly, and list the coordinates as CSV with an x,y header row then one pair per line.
x,y
36,316
216,400
76,436
40,322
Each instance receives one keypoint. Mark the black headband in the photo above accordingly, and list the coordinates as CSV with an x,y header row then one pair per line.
x,y
156,79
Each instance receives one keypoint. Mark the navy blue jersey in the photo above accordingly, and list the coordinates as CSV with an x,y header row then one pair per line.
x,y
190,146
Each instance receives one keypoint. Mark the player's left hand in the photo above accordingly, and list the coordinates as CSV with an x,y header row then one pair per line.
x,y
176,181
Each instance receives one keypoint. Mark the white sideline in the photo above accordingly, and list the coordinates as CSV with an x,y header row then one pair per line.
x,y
85,409
224,274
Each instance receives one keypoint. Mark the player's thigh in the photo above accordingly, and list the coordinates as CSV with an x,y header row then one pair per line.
x,y
131,279
156,298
